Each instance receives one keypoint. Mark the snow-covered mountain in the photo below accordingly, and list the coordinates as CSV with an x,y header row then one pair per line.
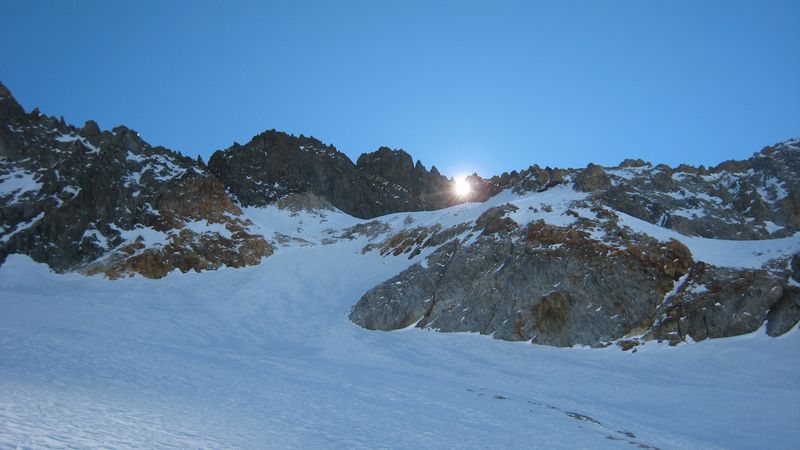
x,y
554,256
107,202
151,300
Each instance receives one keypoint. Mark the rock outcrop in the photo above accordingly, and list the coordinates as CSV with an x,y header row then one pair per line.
x,y
92,201
589,282
592,179
716,302
758,198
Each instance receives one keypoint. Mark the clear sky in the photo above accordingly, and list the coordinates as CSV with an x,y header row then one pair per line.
x,y
468,86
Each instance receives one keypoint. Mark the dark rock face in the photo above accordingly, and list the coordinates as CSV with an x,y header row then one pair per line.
x,y
757,198
593,282
494,221
274,165
718,302
403,186
785,314
86,200
552,285
753,199
594,178
10,110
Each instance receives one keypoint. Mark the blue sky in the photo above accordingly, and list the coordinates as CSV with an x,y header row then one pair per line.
x,y
467,86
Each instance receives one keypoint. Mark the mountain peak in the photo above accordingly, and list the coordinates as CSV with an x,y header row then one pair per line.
x,y
10,109
384,159
274,165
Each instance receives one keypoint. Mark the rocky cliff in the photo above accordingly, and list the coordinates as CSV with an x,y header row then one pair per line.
x,y
81,199
599,255
274,165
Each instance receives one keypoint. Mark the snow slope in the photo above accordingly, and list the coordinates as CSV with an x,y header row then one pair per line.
x,y
264,357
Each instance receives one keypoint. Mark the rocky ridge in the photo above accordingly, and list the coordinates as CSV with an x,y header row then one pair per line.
x,y
757,198
274,165
597,255
81,199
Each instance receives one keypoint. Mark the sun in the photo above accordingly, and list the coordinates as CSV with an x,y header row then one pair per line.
x,y
462,187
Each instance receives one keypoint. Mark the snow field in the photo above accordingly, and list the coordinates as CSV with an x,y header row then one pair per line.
x,y
264,357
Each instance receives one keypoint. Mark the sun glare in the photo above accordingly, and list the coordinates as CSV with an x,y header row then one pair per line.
x,y
462,187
